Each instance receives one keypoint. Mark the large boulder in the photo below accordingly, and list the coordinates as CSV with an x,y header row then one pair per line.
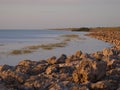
x,y
89,71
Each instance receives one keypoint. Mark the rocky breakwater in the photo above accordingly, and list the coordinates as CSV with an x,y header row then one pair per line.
x,y
80,71
96,71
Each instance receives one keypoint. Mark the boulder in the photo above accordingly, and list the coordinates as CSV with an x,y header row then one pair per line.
x,y
89,71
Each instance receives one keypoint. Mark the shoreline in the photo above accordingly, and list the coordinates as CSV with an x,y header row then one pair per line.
x,y
79,71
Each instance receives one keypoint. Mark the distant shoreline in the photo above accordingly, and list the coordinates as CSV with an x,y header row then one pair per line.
x,y
87,29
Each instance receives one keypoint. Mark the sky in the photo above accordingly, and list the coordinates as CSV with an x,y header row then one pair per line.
x,y
47,14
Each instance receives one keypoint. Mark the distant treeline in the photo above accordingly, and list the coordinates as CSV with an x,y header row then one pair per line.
x,y
80,29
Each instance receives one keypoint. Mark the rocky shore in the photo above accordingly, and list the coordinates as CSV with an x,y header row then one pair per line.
x,y
80,71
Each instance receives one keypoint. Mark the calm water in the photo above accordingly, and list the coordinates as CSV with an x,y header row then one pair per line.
x,y
17,39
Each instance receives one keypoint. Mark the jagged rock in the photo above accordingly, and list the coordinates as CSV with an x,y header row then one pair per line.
x,y
23,69
52,60
79,88
83,56
55,86
27,63
97,55
78,54
52,69
3,87
66,69
62,59
108,52
43,62
103,85
11,77
89,71
5,67
40,68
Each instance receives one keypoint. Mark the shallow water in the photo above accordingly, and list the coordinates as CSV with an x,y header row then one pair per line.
x,y
11,40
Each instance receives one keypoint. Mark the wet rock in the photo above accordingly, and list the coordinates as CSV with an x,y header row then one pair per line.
x,y
62,59
89,71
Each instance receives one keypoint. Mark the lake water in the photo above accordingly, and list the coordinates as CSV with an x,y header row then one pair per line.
x,y
17,39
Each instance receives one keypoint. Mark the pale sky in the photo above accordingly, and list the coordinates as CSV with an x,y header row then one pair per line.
x,y
42,14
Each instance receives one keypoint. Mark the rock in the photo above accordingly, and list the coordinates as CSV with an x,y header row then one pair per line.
x,y
62,59
78,54
5,68
55,86
108,52
103,85
40,68
10,77
97,55
52,69
89,71
23,69
27,63
66,69
83,56
3,87
79,88
52,60
43,62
